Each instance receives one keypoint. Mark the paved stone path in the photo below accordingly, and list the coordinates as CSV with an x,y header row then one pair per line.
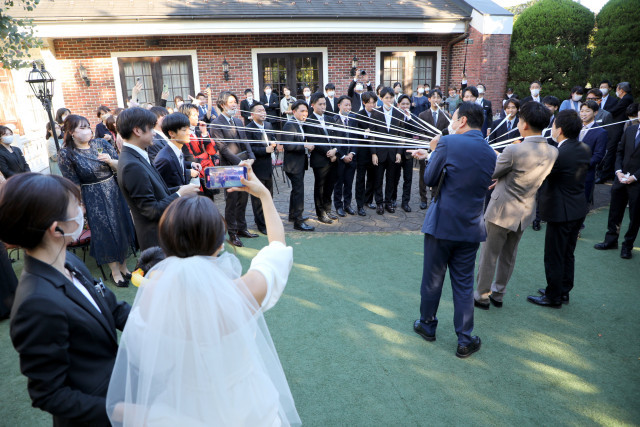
x,y
398,221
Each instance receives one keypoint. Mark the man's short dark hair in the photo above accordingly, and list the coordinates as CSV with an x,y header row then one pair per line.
x,y
329,86
472,89
514,101
534,82
473,112
607,82
592,105
632,110
387,91
345,97
396,84
434,92
174,122
551,100
315,97
536,115
299,103
481,84
368,96
135,117
568,121
224,97
625,86
200,94
246,91
595,91
159,111
306,87
254,105
404,96
268,85
577,89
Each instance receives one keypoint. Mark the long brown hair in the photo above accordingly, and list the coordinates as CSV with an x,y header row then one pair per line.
x,y
71,123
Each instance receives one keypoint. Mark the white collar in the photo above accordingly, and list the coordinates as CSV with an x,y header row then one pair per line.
x,y
260,126
139,150
560,143
319,117
589,125
158,132
175,149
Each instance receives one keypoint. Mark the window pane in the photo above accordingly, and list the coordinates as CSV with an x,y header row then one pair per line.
x,y
139,70
175,74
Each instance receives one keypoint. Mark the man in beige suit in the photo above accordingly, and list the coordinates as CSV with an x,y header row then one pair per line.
x,y
520,170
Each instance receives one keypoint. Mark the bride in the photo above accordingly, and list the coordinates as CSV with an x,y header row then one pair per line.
x,y
196,350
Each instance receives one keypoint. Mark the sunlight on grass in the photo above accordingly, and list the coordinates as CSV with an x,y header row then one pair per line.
x,y
376,309
303,302
309,268
548,346
388,334
401,353
244,251
562,379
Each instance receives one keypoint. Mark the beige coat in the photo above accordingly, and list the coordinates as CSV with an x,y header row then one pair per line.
x,y
520,171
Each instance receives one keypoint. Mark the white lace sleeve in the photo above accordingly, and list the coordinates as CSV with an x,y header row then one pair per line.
x,y
274,262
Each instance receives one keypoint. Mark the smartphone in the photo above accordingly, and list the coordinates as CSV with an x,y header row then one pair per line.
x,y
165,87
209,86
224,176
137,79
363,73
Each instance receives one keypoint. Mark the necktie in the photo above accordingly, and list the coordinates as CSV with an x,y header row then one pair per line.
x,y
346,122
233,125
508,125
435,117
181,161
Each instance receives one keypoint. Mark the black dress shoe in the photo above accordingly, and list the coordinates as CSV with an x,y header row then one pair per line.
x,y
406,207
423,205
121,284
331,215
126,276
247,234
263,230
419,329
341,212
603,246
544,301
390,208
468,350
234,240
482,305
349,210
495,302
380,210
372,206
564,298
302,218
325,219
362,212
536,225
625,253
303,226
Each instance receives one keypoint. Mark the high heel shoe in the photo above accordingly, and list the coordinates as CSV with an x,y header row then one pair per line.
x,y
121,284
126,276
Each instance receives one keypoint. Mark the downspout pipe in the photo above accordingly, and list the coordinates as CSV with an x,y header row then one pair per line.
x,y
450,45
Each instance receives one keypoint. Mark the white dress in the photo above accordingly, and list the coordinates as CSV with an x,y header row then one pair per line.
x,y
196,350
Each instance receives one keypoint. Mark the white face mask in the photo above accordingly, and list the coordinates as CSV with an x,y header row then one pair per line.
x,y
179,104
307,93
7,139
451,130
480,90
535,92
267,92
233,112
577,97
359,87
331,93
604,91
420,90
249,98
82,135
509,95
78,219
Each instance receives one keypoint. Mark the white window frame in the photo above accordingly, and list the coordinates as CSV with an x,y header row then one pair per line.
x,y
254,61
145,53
436,49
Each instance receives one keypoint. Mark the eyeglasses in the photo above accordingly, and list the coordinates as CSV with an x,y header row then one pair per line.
x,y
592,99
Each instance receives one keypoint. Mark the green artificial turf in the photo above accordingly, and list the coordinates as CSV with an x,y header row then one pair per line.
x,y
343,330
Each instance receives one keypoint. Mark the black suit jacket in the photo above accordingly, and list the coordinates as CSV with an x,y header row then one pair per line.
x,y
230,141
295,158
146,194
342,132
561,196
245,110
272,105
263,165
322,141
619,111
67,348
332,111
628,155
356,102
10,163
364,122
380,123
412,127
443,122
610,103
158,144
500,133
172,172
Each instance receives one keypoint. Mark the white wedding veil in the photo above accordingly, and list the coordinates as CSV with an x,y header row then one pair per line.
x,y
196,351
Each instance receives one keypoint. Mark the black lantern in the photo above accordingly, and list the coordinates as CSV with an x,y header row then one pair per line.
x,y
354,65
225,69
83,73
41,84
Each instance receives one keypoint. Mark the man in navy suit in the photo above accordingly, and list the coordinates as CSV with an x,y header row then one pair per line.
x,y
486,106
170,162
608,101
619,113
460,168
596,138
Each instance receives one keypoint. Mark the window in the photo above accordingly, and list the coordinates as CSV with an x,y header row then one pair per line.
x,y
294,70
409,68
153,72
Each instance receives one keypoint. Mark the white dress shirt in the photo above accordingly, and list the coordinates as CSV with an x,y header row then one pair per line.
x,y
179,155
388,114
85,292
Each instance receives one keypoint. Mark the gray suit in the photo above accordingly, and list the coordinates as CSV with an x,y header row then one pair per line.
x,y
520,170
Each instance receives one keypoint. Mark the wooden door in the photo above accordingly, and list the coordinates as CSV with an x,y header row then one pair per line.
x,y
8,114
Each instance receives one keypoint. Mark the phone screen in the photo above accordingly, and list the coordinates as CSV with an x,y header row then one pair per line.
x,y
165,88
224,176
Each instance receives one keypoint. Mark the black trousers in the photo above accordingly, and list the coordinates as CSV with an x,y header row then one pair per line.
x,y
422,186
406,167
256,204
386,168
343,189
559,263
234,210
296,198
325,179
365,181
621,194
608,163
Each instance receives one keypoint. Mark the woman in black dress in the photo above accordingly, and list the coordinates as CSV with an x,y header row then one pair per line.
x,y
91,164
12,160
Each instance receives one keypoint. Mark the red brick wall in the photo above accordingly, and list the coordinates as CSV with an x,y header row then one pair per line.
x,y
95,55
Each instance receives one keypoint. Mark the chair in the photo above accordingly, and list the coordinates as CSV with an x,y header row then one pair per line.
x,y
11,249
83,243
278,163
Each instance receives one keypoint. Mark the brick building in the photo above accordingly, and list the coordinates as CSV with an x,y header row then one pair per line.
x,y
294,42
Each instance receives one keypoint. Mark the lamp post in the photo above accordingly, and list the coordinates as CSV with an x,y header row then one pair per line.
x,y
354,66
225,69
41,84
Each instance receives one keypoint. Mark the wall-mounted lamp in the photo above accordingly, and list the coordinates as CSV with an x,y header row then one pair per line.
x,y
225,69
354,66
83,73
